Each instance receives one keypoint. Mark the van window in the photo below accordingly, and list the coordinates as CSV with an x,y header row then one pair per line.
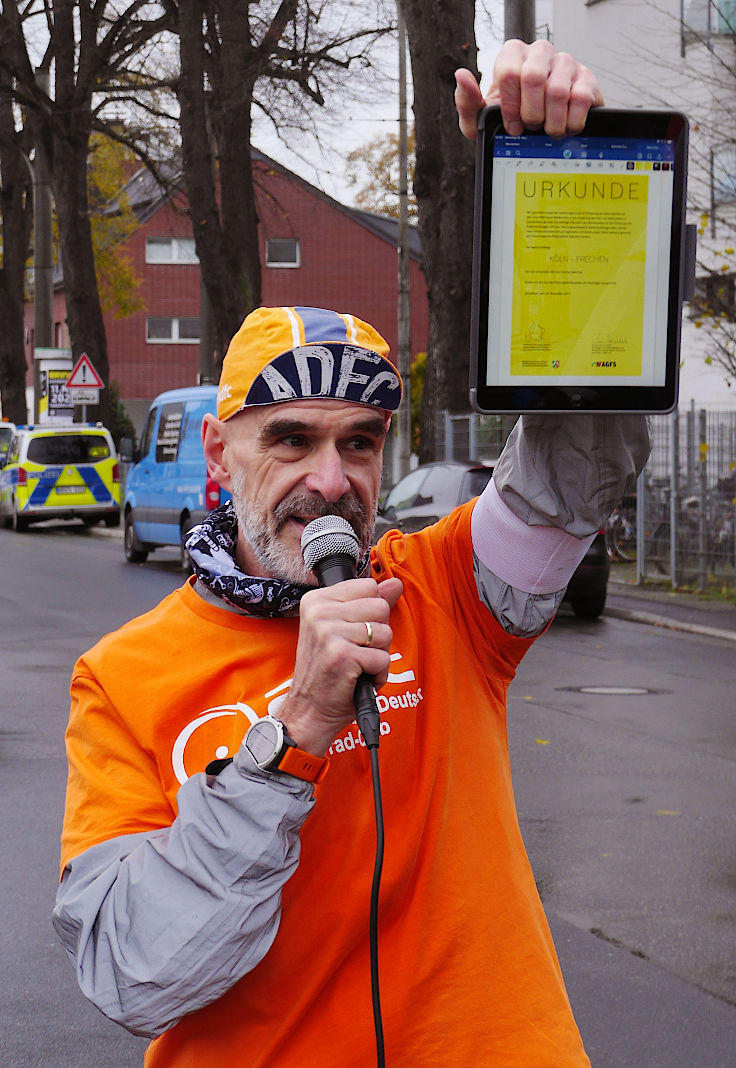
x,y
191,428
169,430
147,434
68,449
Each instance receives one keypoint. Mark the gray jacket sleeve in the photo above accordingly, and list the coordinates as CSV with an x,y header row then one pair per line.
x,y
159,924
562,471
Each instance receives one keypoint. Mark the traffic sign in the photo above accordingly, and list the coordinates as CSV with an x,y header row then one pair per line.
x,y
84,375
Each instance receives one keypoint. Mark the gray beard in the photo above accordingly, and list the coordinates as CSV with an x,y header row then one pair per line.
x,y
261,529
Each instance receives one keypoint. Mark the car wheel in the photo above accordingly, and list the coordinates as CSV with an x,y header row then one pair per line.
x,y
589,607
112,521
20,523
184,561
134,551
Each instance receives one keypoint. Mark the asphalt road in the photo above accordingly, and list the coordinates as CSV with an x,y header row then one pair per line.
x,y
626,802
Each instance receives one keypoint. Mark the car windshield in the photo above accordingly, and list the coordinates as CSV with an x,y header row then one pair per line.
x,y
68,449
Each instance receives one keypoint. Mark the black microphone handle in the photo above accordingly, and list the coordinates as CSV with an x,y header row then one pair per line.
x,y
339,568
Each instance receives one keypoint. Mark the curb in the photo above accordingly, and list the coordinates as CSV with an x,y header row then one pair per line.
x,y
670,624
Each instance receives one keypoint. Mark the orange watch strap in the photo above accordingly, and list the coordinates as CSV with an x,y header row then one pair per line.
x,y
303,765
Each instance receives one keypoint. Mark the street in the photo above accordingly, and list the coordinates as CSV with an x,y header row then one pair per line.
x,y
625,798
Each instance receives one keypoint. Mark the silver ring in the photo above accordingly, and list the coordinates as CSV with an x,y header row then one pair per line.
x,y
368,635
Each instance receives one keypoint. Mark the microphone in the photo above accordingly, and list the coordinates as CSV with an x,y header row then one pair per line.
x,y
331,550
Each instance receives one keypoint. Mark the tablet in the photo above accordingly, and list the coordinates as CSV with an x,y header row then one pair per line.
x,y
579,265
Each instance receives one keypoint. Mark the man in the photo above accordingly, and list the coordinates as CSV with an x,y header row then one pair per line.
x,y
226,910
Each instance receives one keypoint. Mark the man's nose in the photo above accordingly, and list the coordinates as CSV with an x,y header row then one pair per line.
x,y
327,475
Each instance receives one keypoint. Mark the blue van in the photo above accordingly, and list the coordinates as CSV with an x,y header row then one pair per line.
x,y
168,490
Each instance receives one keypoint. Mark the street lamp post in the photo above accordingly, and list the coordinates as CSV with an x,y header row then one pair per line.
x,y
403,303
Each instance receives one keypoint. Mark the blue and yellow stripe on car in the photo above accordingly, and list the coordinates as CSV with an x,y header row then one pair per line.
x,y
67,486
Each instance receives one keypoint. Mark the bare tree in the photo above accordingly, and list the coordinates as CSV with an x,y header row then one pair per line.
x,y
95,51
282,58
441,39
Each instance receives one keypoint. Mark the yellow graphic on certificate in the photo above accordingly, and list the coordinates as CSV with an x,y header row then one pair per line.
x,y
578,279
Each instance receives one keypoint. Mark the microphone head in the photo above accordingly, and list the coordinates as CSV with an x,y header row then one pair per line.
x,y
328,535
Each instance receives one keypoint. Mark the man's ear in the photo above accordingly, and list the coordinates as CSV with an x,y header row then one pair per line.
x,y
214,439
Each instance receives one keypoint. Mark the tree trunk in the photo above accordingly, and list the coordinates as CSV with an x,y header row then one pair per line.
x,y
238,70
441,39
218,123
15,211
70,130
84,314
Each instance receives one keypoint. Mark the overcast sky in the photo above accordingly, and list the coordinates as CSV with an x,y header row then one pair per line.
x,y
366,118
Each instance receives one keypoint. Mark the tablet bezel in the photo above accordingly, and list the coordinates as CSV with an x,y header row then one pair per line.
x,y
601,122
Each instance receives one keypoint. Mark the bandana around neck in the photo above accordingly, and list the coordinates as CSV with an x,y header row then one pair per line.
x,y
211,546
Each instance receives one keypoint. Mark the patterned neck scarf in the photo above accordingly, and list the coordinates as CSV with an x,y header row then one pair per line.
x,y
212,545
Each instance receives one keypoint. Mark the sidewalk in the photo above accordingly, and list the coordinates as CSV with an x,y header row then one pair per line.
x,y
667,608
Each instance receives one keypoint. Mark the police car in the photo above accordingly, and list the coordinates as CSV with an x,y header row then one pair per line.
x,y
65,471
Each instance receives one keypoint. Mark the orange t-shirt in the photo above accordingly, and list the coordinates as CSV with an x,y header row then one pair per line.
x,y
468,972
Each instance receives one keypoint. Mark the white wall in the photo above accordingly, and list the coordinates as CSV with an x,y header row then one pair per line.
x,y
634,49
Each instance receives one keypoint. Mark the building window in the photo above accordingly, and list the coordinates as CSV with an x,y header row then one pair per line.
x,y
715,297
723,174
282,252
170,250
701,19
180,330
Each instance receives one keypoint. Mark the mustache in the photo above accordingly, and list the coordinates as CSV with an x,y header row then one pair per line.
x,y
349,507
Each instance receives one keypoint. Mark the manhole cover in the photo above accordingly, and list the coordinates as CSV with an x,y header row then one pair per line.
x,y
615,691
612,691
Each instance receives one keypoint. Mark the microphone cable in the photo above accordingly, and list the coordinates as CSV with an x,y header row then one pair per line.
x,y
373,926
330,548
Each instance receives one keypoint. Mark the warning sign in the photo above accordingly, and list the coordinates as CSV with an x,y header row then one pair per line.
x,y
84,375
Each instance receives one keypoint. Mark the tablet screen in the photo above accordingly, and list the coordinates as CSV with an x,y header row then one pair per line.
x,y
580,254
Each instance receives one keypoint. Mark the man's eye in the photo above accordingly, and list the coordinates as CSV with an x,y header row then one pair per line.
x,y
294,441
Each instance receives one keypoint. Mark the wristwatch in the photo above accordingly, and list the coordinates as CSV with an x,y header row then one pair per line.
x,y
273,750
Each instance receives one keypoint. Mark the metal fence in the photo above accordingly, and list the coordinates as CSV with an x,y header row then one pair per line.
x,y
678,528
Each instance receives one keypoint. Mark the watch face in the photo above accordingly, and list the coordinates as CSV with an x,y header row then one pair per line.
x,y
263,742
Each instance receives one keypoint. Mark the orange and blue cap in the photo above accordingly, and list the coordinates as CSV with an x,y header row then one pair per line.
x,y
283,354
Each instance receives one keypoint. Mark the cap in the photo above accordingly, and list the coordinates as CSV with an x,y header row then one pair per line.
x,y
283,354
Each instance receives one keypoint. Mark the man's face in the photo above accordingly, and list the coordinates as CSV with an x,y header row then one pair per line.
x,y
289,463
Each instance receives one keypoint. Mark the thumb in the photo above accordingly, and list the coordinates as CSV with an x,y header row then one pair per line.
x,y
391,590
468,101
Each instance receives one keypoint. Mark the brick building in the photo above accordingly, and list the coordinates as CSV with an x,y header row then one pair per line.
x,y
314,251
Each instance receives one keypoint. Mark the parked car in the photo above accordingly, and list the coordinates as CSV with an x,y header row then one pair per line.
x,y
60,471
168,490
433,490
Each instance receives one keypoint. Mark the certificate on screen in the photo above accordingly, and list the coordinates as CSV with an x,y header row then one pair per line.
x,y
582,236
